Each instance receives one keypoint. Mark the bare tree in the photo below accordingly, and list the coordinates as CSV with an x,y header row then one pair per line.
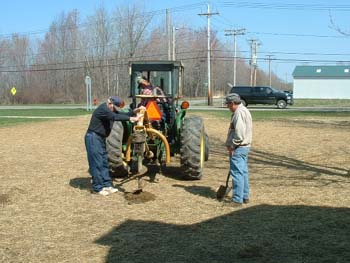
x,y
336,27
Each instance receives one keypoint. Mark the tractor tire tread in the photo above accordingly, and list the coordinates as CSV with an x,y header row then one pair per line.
x,y
190,147
114,148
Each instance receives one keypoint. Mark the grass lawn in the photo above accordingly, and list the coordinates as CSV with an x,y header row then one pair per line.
x,y
257,115
298,103
321,103
4,121
278,115
44,112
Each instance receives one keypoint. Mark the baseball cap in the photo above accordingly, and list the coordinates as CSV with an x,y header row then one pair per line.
x,y
116,101
232,97
141,79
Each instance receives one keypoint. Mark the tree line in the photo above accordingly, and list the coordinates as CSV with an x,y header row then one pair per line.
x,y
52,68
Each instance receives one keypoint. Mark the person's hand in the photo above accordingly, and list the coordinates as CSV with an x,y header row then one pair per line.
x,y
230,150
139,109
135,119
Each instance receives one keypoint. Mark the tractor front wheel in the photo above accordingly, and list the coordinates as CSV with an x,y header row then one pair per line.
x,y
115,151
192,147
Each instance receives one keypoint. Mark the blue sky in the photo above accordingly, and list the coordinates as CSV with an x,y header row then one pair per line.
x,y
23,16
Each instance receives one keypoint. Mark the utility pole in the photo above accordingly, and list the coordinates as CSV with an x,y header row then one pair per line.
x,y
253,60
168,32
108,91
270,73
174,42
286,81
235,33
208,15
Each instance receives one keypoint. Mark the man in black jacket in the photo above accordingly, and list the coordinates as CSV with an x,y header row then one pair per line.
x,y
95,142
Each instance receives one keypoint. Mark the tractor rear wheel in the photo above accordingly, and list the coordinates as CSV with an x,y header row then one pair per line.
x,y
207,148
115,150
192,147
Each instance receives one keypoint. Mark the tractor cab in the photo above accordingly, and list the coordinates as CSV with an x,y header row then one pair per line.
x,y
161,92
166,78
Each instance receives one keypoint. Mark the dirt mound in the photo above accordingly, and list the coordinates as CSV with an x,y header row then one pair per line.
x,y
139,198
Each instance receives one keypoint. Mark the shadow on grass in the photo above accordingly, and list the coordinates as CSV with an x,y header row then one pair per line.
x,y
265,158
272,159
204,191
257,234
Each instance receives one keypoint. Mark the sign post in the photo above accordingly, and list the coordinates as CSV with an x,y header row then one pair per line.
x,y
13,92
88,93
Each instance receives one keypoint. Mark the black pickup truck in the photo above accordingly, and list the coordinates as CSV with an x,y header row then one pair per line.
x,y
263,95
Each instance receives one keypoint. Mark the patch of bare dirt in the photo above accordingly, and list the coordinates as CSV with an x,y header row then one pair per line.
x,y
299,209
4,199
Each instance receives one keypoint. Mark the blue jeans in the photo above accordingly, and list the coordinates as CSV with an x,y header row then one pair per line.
x,y
98,161
239,174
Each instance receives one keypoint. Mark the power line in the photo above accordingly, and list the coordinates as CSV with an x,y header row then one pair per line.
x,y
219,58
82,67
286,59
297,35
221,29
103,59
286,6
286,53
229,23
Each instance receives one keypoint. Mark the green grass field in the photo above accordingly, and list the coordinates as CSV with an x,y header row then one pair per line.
x,y
44,112
321,103
278,115
297,103
36,113
257,115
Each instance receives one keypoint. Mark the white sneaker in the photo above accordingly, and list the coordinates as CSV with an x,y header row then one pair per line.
x,y
102,192
110,189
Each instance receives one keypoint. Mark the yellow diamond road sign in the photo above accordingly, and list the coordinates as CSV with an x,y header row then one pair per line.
x,y
13,91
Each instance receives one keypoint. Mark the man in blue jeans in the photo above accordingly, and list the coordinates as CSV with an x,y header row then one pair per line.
x,y
239,139
95,142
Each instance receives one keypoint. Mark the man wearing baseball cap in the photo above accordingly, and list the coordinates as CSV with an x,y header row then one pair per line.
x,y
238,142
95,142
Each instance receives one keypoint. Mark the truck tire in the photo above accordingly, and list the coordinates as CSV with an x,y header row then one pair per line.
x,y
192,147
115,150
207,148
281,104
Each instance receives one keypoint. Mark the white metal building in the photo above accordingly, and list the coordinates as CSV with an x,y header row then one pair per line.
x,y
321,82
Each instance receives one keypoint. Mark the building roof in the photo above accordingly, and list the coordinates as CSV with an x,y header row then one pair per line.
x,y
322,71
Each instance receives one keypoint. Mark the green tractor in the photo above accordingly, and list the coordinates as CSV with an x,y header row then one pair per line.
x,y
164,130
